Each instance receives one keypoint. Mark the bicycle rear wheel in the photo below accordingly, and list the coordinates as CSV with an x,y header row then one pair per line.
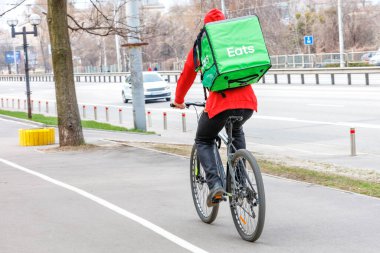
x,y
199,189
247,202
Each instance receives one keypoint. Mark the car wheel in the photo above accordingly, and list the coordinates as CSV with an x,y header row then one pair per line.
x,y
125,100
167,99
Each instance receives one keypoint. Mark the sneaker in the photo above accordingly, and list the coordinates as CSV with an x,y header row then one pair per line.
x,y
215,195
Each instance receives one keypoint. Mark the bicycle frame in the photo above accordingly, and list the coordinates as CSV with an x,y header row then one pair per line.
x,y
227,140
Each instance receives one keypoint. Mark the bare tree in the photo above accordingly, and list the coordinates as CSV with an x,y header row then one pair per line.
x,y
60,22
69,123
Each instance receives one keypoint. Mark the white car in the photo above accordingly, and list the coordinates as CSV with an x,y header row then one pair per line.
x,y
375,59
155,87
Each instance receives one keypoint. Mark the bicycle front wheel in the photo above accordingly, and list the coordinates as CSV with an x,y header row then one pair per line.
x,y
247,200
199,189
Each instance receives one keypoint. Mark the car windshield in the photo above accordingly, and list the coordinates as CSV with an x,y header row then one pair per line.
x,y
149,78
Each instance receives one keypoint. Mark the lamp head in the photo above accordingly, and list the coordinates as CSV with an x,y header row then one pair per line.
x,y
35,19
12,22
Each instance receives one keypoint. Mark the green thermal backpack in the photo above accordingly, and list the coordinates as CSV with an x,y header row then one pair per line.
x,y
231,53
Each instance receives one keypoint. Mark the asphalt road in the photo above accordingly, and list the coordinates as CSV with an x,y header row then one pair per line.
x,y
97,200
307,123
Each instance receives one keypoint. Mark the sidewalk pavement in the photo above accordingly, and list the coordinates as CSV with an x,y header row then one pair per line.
x,y
39,216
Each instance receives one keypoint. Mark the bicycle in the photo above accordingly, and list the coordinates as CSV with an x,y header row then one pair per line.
x,y
242,182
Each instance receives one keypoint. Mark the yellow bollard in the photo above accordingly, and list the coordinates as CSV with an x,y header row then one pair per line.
x,y
36,137
51,136
21,137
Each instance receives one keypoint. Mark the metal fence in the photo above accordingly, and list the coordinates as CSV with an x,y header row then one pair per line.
x,y
309,60
351,76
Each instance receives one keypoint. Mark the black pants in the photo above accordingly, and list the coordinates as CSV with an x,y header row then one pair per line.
x,y
208,130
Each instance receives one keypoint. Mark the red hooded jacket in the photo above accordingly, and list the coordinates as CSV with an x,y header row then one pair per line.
x,y
238,98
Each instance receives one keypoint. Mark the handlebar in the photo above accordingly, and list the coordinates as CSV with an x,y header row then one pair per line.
x,y
188,104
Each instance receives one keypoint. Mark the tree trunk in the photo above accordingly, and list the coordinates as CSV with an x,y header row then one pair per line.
x,y
69,124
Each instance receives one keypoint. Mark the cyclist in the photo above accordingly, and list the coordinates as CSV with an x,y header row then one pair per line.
x,y
219,106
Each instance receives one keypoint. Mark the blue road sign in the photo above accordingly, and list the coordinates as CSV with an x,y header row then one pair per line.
x,y
308,40
9,57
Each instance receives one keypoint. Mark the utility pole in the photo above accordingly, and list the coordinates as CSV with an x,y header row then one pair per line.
x,y
341,35
14,58
223,7
105,67
117,41
135,56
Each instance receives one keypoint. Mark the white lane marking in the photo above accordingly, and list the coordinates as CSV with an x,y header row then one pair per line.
x,y
171,237
316,122
325,105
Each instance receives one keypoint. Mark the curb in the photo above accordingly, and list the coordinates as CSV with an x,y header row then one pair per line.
x,y
23,121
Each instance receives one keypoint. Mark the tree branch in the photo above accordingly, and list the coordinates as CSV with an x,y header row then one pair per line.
x,y
14,7
102,24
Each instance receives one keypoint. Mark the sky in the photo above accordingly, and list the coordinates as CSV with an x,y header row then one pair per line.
x,y
171,2
6,4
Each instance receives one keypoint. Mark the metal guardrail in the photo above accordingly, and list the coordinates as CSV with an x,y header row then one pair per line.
x,y
319,60
332,72
117,77
172,76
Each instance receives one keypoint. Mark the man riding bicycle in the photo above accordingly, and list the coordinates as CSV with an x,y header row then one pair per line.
x,y
219,107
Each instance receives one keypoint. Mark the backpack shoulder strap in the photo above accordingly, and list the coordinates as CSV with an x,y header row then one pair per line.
x,y
197,50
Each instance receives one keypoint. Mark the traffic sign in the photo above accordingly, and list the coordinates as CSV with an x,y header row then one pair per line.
x,y
9,57
308,40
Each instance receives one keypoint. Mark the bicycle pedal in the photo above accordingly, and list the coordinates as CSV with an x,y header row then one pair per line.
x,y
218,199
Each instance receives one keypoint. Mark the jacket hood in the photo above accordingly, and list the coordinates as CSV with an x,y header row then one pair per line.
x,y
213,15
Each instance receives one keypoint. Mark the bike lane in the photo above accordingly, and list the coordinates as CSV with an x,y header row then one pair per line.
x,y
38,216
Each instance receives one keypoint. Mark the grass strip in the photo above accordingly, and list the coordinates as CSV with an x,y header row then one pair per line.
x,y
297,173
53,121
322,178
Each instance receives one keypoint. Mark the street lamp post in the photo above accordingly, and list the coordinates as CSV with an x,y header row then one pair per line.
x,y
341,34
34,20
223,7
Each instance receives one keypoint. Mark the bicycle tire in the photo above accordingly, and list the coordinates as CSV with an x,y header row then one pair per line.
x,y
242,197
199,189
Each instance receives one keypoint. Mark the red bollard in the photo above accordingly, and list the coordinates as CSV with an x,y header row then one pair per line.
x,y
120,116
149,119
95,113
107,117
353,142
165,121
183,122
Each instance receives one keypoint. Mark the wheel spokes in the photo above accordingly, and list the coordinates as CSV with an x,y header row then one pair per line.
x,y
201,190
246,201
